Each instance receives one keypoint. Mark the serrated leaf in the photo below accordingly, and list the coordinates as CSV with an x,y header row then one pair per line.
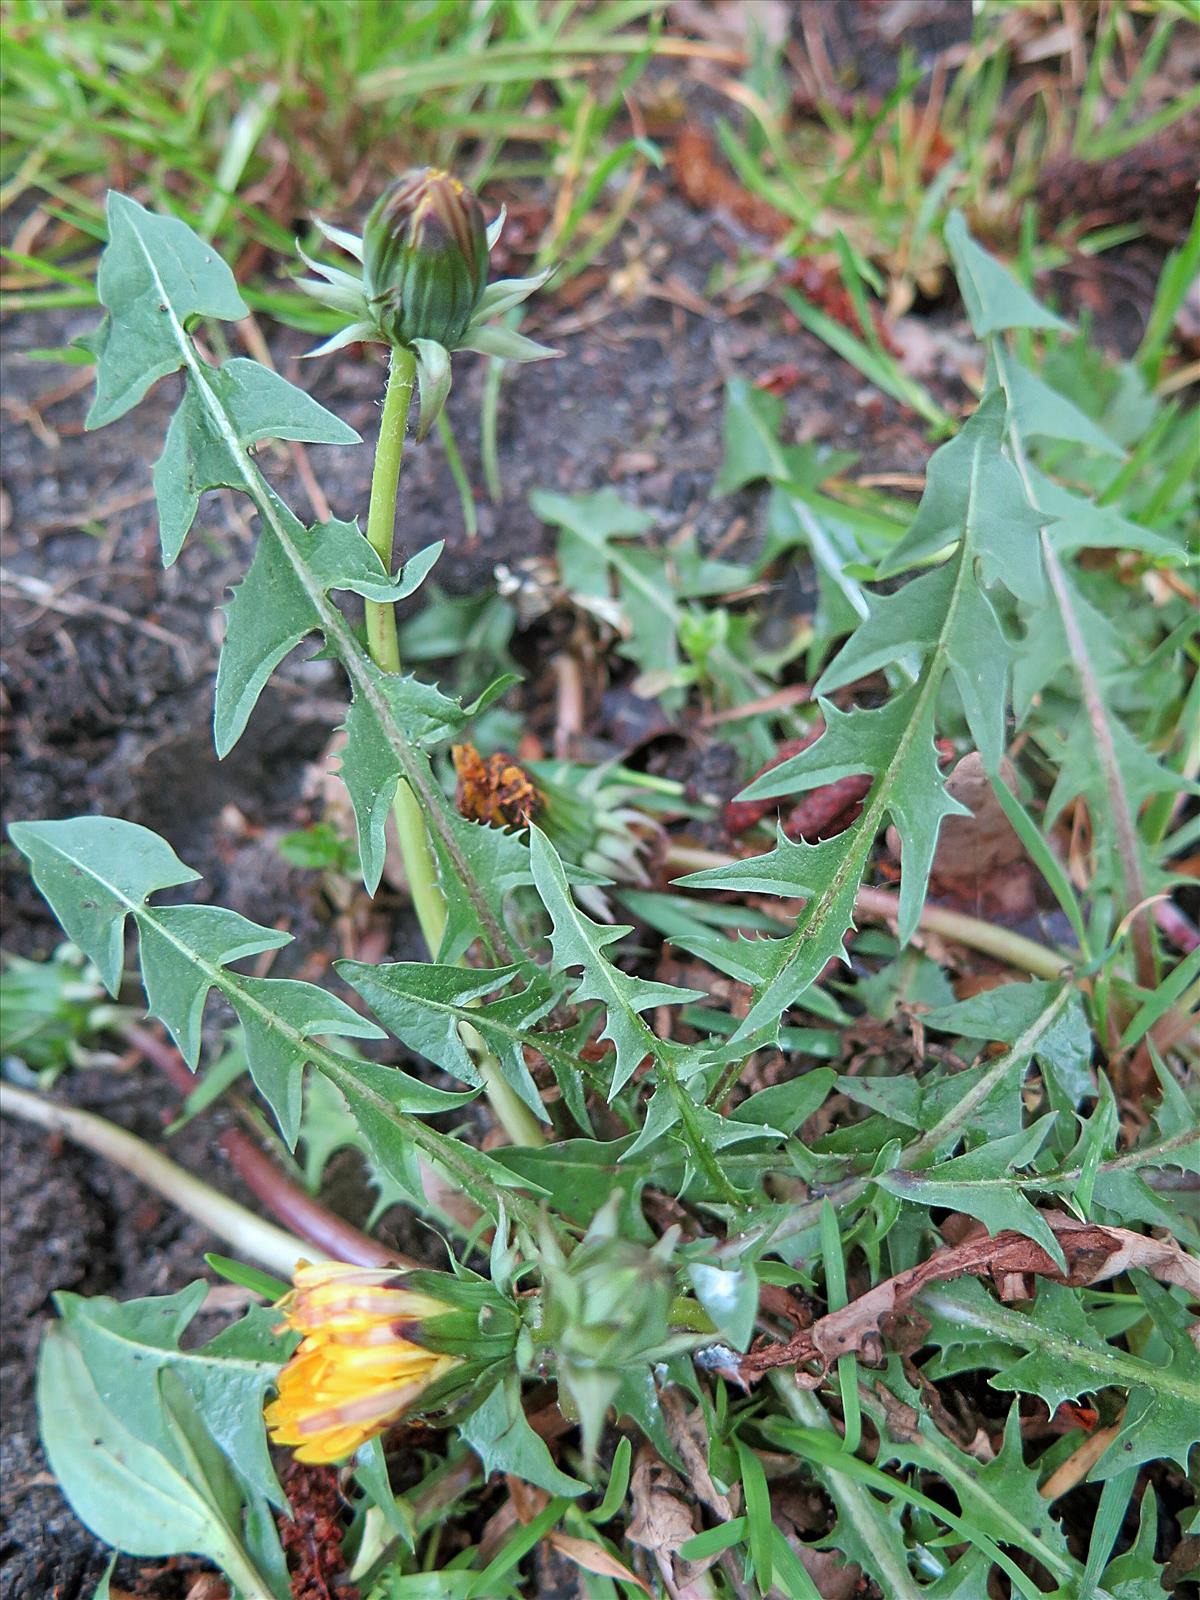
x,y
1065,1358
371,765
577,941
176,988
392,1139
973,501
994,298
870,1505
275,606
1003,1014
493,857
974,495
426,1005
895,743
1000,1496
92,910
980,1183
201,448
155,276
935,613
96,871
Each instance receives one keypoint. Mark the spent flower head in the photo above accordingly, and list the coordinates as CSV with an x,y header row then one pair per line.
x,y
423,285
376,1344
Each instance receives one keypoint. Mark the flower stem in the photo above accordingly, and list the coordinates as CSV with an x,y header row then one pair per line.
x,y
385,483
416,852
415,849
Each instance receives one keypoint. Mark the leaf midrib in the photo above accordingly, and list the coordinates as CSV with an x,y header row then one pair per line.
x,y
264,1369
436,1145
1127,1372
872,818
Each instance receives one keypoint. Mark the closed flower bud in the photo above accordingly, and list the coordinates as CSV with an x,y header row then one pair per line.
x,y
605,1316
425,258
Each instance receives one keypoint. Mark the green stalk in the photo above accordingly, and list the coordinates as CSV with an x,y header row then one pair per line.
x,y
415,849
416,852
385,484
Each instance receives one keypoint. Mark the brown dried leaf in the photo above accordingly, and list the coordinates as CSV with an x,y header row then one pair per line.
x,y
689,1434
662,1518
980,860
1093,1253
594,1558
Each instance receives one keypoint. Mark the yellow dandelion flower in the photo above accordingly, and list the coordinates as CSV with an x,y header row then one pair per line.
x,y
355,1370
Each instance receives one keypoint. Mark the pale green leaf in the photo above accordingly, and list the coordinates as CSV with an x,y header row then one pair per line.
x,y
96,871
501,1437
973,493
980,1183
1065,1358
433,378
752,451
1040,412
128,1493
92,908
425,1006
126,1345
155,274
275,606
994,298
252,403
506,343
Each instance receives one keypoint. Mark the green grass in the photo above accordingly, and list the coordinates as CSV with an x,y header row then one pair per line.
x,y
245,116
880,174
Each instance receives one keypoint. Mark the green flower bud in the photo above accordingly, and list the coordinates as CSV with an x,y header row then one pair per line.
x,y
604,1316
425,258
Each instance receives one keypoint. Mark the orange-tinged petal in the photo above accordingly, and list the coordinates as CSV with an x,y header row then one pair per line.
x,y
354,1372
